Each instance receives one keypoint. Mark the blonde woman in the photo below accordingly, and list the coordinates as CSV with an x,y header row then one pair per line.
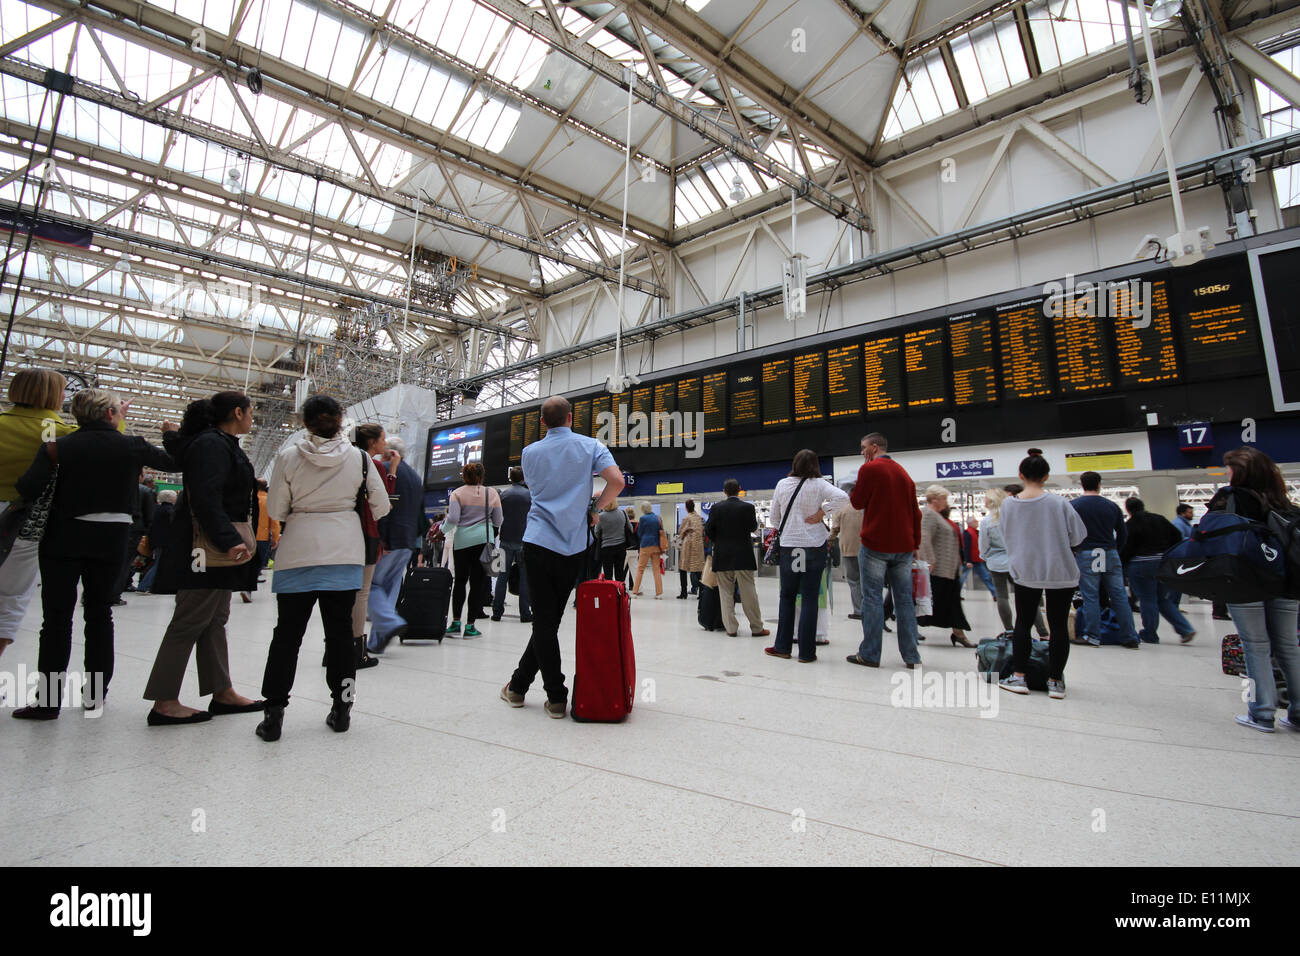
x,y
941,548
993,551
96,489
36,395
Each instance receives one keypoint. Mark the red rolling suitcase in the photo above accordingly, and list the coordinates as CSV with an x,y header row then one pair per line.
x,y
604,680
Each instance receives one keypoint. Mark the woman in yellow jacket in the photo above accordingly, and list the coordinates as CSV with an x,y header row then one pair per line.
x,y
36,395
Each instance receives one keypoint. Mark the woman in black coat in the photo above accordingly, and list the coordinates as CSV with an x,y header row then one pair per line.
x,y
219,500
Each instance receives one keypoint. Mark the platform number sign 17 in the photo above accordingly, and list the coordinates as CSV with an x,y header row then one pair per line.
x,y
1195,436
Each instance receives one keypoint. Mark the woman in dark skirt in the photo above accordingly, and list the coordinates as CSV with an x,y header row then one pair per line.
x,y
941,548
220,493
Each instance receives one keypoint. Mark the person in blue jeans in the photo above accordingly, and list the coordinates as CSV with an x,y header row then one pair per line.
x,y
1267,628
515,502
1149,536
800,502
891,533
1100,566
399,532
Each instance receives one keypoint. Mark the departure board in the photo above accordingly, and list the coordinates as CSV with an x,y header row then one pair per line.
x,y
844,381
974,359
810,388
532,419
745,397
1022,330
665,406
1216,315
621,405
601,429
643,404
689,403
1144,333
516,439
776,402
713,403
1081,364
882,371
923,363
582,416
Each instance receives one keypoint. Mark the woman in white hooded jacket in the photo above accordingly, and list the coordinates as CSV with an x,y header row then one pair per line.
x,y
313,492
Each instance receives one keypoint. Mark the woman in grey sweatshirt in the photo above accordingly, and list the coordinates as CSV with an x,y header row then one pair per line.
x,y
1041,531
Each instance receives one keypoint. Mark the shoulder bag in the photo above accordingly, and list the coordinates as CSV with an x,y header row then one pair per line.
x,y
487,557
369,527
215,557
23,519
772,556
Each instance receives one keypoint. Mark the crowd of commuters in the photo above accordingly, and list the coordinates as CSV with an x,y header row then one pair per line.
x,y
343,516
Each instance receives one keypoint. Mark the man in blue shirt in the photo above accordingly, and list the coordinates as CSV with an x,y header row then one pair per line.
x,y
1099,565
559,470
515,505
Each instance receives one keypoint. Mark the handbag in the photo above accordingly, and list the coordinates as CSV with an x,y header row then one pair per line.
x,y
369,527
630,542
922,596
772,556
663,540
144,548
27,520
487,557
215,557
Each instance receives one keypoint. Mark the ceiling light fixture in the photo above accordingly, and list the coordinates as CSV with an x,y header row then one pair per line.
x,y
234,182
1166,9
738,192
123,263
535,277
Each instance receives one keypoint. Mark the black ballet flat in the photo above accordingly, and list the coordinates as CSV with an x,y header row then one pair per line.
x,y
217,709
162,720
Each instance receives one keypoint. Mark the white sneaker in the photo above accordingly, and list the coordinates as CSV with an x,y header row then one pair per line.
x,y
1248,721
1056,689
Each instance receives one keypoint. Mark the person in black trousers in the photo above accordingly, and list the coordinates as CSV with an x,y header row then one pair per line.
x,y
95,492
559,470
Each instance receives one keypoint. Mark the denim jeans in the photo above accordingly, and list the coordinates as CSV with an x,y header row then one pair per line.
x,y
514,554
854,577
1269,628
385,585
805,584
982,572
877,569
1090,584
1155,599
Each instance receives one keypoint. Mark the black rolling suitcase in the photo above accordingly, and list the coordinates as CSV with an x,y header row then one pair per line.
x,y
423,601
709,610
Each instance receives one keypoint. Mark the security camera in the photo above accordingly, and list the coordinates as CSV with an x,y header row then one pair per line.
x,y
1150,247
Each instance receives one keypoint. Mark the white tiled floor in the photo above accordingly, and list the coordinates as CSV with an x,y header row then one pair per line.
x,y
738,758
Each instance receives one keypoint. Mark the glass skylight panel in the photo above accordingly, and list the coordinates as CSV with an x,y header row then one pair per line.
x,y
924,93
990,58
18,18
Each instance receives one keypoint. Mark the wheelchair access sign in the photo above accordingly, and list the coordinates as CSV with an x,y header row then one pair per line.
x,y
971,468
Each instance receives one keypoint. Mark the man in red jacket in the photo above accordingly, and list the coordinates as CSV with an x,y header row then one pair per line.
x,y
891,532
